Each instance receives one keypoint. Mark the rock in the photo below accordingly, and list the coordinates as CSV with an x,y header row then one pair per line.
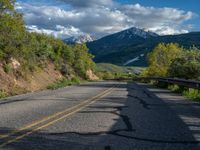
x,y
91,75
15,64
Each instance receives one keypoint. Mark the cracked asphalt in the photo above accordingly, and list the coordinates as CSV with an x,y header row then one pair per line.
x,y
105,115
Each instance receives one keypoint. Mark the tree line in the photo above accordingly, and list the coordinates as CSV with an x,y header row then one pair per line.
x,y
172,60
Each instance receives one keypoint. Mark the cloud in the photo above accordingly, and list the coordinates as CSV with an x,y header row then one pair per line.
x,y
59,31
157,19
88,3
96,18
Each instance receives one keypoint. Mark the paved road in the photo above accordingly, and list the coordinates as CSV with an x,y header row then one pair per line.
x,y
100,116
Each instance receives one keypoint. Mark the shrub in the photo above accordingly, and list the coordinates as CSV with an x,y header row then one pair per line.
x,y
187,65
3,94
75,80
192,94
161,58
7,68
63,83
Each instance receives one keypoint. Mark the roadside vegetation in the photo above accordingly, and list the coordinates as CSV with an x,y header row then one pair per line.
x,y
3,94
110,71
22,53
171,60
63,83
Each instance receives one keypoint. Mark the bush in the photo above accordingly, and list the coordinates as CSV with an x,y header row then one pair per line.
x,y
161,58
7,68
63,83
192,94
75,80
3,94
187,65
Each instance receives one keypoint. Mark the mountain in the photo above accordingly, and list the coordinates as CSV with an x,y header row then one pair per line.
x,y
133,33
130,47
114,42
79,39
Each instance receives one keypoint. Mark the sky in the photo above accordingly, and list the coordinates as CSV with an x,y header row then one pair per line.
x,y
98,18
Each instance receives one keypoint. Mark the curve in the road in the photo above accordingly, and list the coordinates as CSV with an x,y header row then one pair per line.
x,y
49,120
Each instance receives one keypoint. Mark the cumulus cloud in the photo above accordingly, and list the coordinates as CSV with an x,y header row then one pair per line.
x,y
59,31
159,20
99,18
88,3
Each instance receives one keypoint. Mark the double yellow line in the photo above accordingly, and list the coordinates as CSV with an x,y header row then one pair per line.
x,y
49,120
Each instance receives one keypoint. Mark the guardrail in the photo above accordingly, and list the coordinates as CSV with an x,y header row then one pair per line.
x,y
181,82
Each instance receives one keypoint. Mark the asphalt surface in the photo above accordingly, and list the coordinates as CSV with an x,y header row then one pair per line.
x,y
100,116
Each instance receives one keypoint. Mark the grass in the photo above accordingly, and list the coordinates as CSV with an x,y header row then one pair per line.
x,y
63,83
3,94
117,69
190,93
175,88
110,71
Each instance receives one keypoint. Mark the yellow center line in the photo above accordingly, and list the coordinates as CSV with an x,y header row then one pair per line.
x,y
49,117
73,109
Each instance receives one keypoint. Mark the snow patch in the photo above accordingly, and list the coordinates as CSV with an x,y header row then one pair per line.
x,y
133,32
80,39
132,60
142,55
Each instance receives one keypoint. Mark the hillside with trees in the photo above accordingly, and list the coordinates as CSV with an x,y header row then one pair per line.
x,y
24,56
172,60
126,45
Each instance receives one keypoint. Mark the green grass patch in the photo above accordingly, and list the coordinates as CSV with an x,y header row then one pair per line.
x,y
110,71
3,94
7,68
192,94
63,83
175,88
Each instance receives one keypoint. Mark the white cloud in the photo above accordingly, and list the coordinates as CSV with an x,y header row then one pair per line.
x,y
157,19
58,32
99,18
88,3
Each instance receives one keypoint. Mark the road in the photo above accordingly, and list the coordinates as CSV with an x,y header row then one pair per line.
x,y
105,115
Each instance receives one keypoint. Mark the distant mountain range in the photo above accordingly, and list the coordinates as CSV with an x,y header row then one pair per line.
x,y
130,47
79,39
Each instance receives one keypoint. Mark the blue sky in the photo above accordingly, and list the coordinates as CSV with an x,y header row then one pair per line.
x,y
187,5
66,18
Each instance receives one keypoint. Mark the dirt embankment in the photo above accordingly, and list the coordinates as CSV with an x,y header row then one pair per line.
x,y
38,80
13,83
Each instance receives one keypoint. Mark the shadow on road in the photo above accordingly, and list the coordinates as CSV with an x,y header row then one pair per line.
x,y
142,121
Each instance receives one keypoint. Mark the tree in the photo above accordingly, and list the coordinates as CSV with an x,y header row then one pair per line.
x,y
12,30
83,60
161,58
186,65
34,50
6,6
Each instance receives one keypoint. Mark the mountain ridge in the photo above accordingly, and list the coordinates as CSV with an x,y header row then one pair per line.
x,y
79,39
112,49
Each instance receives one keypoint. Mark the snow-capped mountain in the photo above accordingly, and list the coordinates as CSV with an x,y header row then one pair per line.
x,y
133,32
115,42
79,39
